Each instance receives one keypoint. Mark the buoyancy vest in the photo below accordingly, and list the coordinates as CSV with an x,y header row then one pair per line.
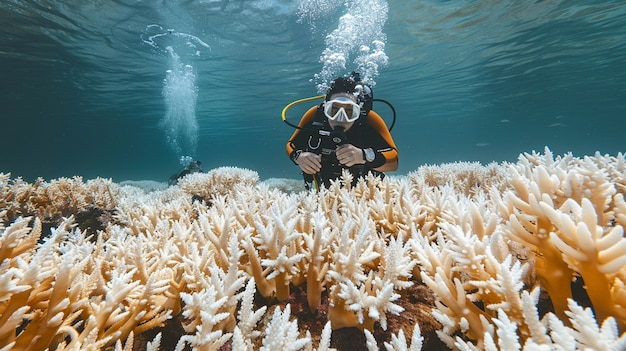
x,y
323,140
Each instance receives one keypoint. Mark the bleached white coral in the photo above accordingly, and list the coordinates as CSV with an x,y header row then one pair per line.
x,y
202,309
278,238
283,334
587,333
398,263
163,252
316,251
398,342
218,181
248,318
373,296
324,343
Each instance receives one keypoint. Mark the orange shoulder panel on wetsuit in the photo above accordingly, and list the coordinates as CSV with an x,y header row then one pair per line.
x,y
374,120
306,119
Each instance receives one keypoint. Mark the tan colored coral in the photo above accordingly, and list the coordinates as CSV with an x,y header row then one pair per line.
x,y
545,212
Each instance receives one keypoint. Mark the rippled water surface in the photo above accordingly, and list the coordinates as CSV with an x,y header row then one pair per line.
x,y
123,89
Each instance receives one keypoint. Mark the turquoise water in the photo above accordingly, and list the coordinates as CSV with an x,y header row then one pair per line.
x,y
122,89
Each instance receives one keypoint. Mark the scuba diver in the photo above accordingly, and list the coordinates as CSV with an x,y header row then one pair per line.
x,y
342,133
191,167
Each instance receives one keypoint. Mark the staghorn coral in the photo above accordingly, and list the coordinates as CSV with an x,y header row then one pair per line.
x,y
219,181
467,178
59,197
398,342
597,254
566,216
342,257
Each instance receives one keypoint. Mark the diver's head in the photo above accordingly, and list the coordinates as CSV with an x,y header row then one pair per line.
x,y
340,106
341,85
194,166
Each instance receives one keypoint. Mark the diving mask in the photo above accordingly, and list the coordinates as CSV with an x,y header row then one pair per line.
x,y
342,109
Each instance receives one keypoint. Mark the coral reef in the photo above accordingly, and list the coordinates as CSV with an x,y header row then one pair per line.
x,y
511,256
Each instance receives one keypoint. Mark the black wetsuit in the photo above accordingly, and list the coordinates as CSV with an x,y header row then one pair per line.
x,y
368,132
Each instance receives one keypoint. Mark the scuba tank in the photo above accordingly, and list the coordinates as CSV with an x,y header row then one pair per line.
x,y
364,94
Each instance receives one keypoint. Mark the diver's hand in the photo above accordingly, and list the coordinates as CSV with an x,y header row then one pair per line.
x,y
349,155
309,162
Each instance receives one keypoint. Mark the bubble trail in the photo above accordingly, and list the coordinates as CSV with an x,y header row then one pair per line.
x,y
180,93
357,44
